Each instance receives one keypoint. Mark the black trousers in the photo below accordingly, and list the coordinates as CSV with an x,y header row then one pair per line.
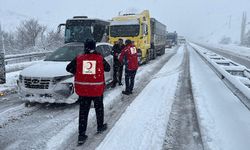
x,y
117,75
85,103
130,79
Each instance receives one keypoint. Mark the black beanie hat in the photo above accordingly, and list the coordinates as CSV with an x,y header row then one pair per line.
x,y
89,45
128,42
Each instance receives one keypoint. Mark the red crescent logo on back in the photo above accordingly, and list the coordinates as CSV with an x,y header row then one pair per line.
x,y
90,65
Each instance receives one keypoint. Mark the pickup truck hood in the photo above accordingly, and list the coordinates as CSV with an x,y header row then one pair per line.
x,y
46,69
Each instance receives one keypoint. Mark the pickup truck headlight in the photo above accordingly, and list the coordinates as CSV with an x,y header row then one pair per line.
x,y
20,78
61,78
64,89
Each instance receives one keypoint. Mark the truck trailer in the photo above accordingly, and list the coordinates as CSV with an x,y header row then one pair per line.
x,y
171,39
148,34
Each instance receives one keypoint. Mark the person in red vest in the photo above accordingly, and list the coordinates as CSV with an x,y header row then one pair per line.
x,y
88,69
130,59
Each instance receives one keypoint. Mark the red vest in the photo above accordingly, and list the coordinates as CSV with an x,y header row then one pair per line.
x,y
89,77
130,52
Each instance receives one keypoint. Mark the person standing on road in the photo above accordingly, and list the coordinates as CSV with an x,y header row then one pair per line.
x,y
118,67
130,58
88,70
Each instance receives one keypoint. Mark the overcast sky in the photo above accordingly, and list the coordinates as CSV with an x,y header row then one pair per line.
x,y
195,19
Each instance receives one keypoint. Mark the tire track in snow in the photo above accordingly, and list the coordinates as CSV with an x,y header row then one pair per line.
x,y
183,131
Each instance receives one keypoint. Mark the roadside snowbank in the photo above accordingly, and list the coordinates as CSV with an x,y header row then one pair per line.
x,y
224,120
10,81
143,125
12,75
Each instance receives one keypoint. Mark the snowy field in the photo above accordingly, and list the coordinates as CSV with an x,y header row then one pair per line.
x,y
231,48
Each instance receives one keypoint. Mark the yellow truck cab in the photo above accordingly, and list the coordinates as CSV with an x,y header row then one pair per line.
x,y
135,27
138,28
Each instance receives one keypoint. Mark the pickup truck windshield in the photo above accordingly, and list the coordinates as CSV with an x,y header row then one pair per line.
x,y
124,30
65,53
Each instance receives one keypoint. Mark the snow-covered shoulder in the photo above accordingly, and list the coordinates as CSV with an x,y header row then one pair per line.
x,y
224,120
143,125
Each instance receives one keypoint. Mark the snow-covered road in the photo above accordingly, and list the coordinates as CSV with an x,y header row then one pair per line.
x,y
169,109
51,127
144,123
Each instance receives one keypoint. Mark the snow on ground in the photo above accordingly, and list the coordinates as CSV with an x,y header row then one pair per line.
x,y
10,81
223,70
111,97
143,125
12,77
232,48
224,120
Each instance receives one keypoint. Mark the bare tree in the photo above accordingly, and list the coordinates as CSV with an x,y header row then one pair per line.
x,y
54,39
27,33
42,38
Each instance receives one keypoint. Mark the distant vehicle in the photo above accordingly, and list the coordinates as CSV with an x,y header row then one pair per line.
x,y
50,82
80,28
181,40
171,39
147,33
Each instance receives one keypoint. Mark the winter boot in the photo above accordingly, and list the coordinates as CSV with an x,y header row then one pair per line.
x,y
103,128
82,139
113,84
126,92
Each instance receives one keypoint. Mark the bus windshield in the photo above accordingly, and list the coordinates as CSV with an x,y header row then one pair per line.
x,y
78,33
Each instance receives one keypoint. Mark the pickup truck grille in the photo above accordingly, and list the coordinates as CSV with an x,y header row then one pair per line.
x,y
36,83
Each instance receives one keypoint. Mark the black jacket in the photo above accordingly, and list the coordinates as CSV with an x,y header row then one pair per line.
x,y
71,67
116,50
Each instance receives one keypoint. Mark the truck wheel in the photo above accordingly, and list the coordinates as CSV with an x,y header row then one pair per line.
x,y
163,51
148,56
154,54
139,57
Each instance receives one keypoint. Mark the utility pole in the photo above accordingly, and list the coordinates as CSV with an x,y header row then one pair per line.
x,y
243,28
2,62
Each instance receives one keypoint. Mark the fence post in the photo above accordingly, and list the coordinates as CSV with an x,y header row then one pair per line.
x,y
2,62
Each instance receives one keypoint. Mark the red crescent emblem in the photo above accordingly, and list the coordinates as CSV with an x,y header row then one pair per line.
x,y
90,65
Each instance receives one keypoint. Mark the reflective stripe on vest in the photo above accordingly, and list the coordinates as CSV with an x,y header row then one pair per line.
x,y
89,83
